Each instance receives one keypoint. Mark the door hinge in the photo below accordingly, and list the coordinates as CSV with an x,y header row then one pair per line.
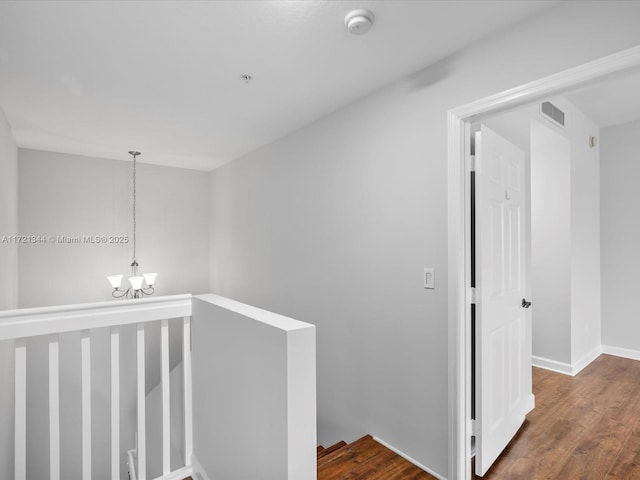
x,y
473,428
473,295
472,163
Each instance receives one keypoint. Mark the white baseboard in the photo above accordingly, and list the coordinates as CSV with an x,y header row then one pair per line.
x,y
568,368
621,352
198,472
553,365
586,359
530,403
408,458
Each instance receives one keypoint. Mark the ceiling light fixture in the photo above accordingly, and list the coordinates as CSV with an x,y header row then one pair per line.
x,y
359,22
137,288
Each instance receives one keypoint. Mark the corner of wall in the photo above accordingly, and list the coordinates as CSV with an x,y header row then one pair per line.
x,y
212,222
570,369
198,473
8,283
619,236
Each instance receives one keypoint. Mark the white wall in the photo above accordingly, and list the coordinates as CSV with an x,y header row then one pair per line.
x,y
576,309
586,303
8,216
620,233
8,284
565,212
551,243
72,195
334,224
254,390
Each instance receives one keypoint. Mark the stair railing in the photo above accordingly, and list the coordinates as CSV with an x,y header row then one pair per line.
x,y
19,325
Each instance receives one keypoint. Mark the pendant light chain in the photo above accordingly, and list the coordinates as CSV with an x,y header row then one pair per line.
x,y
141,285
134,208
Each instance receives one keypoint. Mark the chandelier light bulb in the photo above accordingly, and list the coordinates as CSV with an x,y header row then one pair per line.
x,y
136,282
115,280
150,278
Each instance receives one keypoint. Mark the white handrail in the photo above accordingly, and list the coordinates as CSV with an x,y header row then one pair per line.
x,y
31,322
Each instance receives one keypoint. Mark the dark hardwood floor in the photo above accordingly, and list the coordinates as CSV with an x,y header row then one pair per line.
x,y
365,459
583,427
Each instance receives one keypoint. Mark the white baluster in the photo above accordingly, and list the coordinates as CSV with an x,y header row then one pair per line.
x,y
188,413
20,467
54,407
142,436
166,398
115,403
85,346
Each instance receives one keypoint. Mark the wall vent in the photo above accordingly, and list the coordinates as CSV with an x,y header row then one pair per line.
x,y
553,113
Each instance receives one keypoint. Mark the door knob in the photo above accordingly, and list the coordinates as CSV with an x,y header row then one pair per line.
x,y
525,304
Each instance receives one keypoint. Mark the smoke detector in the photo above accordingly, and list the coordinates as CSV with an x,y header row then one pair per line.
x,y
359,22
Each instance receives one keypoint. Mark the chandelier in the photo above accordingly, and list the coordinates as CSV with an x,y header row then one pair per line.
x,y
140,285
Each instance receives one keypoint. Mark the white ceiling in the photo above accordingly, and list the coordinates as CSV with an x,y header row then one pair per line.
x,y
613,101
100,78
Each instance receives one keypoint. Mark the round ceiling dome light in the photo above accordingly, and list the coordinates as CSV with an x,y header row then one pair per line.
x,y
359,22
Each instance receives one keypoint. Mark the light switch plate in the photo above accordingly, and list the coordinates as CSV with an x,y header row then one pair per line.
x,y
429,278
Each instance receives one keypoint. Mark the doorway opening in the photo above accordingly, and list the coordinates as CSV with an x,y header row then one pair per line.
x,y
459,213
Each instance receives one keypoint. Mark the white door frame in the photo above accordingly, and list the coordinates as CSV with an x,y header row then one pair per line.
x,y
459,305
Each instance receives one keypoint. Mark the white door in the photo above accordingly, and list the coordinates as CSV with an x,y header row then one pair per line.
x,y
503,327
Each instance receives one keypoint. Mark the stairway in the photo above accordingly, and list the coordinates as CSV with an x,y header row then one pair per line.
x,y
365,459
